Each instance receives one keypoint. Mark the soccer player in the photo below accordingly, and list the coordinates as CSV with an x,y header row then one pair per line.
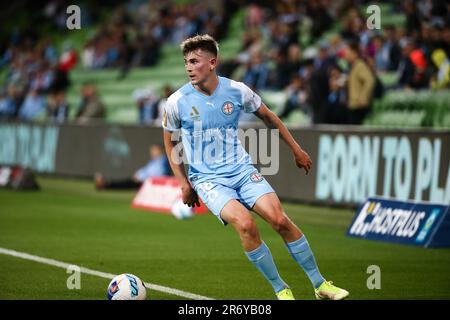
x,y
206,111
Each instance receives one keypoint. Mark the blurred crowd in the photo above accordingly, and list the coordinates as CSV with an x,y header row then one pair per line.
x,y
321,53
135,32
36,79
38,76
335,77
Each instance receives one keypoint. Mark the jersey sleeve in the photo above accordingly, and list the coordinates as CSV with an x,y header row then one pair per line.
x,y
171,117
251,101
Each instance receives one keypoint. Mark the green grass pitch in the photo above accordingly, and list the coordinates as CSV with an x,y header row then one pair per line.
x,y
69,221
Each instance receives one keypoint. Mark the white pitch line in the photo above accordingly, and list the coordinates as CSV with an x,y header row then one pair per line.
x,y
65,265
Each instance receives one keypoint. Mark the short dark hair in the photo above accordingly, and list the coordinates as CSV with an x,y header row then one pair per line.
x,y
204,42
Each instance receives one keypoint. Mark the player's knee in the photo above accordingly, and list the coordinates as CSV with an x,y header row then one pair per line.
x,y
281,222
247,227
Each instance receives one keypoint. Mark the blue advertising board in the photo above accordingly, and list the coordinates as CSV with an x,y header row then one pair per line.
x,y
406,222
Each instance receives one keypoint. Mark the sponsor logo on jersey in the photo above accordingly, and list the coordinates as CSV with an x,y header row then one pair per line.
x,y
195,115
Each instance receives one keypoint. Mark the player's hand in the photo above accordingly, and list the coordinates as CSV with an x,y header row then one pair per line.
x,y
189,196
302,160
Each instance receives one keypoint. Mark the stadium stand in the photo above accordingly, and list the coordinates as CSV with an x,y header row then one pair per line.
x,y
292,52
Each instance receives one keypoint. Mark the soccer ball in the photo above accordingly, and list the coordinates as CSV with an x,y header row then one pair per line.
x,y
181,210
126,287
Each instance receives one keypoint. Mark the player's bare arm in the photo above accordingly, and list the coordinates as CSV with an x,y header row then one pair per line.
x,y
272,121
188,193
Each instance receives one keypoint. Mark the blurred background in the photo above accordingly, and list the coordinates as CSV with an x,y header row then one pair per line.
x,y
298,54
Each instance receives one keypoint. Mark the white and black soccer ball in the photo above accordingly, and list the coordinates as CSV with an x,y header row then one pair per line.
x,y
126,287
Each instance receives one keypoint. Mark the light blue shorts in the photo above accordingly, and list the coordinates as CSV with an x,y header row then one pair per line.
x,y
246,187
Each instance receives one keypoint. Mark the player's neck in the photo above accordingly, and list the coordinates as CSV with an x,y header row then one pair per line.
x,y
209,86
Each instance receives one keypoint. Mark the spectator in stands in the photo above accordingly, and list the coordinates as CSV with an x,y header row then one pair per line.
x,y
167,91
406,68
286,67
57,107
436,40
41,78
319,83
413,23
69,58
412,67
147,104
297,98
91,108
441,79
150,105
7,106
49,51
352,25
157,166
257,72
87,56
16,95
421,77
381,57
361,83
147,50
126,53
254,16
251,42
337,98
391,48
320,17
33,106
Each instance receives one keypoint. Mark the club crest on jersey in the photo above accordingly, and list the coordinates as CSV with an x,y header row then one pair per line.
x,y
256,177
228,108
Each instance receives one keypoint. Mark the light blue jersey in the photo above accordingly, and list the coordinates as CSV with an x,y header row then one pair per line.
x,y
209,132
209,127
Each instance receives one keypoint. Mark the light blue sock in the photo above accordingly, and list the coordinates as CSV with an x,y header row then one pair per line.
x,y
301,252
263,261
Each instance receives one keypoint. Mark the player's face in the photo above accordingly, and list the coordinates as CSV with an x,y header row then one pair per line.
x,y
199,65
